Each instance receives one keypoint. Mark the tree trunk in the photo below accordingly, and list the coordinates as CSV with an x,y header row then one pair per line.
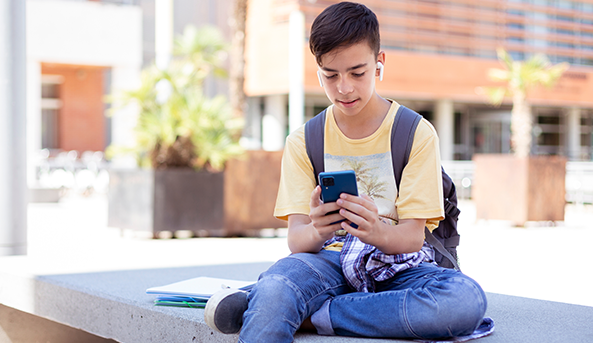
x,y
521,124
237,74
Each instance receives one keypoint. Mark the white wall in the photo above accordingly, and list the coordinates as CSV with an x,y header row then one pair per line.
x,y
444,124
274,122
87,33
83,33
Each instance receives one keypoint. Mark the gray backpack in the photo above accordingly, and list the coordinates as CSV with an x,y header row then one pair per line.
x,y
445,237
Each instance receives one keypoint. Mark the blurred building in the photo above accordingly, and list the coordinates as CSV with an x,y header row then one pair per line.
x,y
438,52
80,52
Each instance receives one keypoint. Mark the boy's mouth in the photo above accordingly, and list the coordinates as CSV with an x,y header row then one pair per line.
x,y
348,103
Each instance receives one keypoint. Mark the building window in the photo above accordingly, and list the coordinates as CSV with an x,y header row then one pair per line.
x,y
50,110
548,131
587,135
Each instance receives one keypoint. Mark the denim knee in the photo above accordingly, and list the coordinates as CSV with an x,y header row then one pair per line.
x,y
277,298
294,267
452,305
273,314
303,281
312,274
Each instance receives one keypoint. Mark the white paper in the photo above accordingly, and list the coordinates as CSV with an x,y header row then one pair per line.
x,y
202,286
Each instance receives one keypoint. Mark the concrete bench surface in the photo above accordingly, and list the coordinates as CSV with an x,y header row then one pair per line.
x,y
114,305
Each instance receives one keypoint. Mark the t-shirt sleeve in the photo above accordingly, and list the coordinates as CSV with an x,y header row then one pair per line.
x,y
421,187
297,179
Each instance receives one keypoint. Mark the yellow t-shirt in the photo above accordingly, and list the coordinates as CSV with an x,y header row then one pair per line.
x,y
370,157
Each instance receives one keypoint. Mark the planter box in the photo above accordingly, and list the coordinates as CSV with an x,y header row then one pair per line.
x,y
167,200
519,189
250,189
237,202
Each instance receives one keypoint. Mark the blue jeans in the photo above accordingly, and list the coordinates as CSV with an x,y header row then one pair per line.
x,y
427,302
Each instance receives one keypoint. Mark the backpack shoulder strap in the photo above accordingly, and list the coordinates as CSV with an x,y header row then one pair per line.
x,y
430,238
314,132
402,138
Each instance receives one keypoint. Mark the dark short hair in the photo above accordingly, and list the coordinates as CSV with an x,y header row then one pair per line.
x,y
341,25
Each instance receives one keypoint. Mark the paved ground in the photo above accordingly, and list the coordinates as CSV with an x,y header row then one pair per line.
x,y
542,262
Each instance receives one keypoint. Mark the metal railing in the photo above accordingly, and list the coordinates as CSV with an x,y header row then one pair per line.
x,y
579,180
462,174
67,170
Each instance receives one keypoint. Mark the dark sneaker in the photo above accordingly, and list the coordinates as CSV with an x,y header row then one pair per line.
x,y
224,310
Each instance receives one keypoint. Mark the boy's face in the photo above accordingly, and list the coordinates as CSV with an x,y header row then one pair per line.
x,y
348,77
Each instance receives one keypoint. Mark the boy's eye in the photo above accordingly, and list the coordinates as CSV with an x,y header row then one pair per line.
x,y
358,75
330,76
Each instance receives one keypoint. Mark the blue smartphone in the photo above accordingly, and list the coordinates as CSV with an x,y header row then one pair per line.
x,y
335,183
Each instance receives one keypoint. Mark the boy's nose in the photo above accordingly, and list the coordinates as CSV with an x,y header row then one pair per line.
x,y
344,87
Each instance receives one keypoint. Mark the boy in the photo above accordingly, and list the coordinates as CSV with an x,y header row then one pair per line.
x,y
376,280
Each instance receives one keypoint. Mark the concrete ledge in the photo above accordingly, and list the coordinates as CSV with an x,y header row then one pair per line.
x,y
20,327
114,305
38,194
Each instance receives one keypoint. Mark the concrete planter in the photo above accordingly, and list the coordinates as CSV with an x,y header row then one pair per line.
x,y
237,202
519,189
167,200
250,190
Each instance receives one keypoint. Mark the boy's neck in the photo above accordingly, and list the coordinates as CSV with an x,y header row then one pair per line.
x,y
367,121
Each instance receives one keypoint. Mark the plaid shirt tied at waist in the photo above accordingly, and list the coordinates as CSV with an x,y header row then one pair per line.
x,y
363,264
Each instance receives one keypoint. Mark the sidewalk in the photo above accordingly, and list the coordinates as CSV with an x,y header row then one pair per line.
x,y
548,263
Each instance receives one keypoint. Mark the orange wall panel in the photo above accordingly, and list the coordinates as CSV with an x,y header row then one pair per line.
x,y
429,77
82,116
410,75
266,51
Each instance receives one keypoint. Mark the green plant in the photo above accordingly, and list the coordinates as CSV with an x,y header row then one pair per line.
x,y
519,78
177,125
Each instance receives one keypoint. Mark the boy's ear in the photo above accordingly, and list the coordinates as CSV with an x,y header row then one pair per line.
x,y
319,78
380,67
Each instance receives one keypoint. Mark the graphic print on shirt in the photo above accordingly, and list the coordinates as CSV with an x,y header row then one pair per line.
x,y
374,177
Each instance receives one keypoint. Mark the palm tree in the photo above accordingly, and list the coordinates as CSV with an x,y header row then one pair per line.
x,y
178,126
360,168
237,54
369,183
519,78
374,188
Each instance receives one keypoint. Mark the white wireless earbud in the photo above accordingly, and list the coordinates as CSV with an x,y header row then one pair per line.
x,y
380,67
319,78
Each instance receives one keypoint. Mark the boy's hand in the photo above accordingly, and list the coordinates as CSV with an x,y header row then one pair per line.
x,y
406,237
362,211
321,220
308,233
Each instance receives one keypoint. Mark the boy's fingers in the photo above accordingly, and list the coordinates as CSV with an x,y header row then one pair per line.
x,y
326,224
357,208
362,200
357,232
357,203
366,197
352,217
315,197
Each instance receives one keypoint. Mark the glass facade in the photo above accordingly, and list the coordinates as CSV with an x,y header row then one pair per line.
x,y
563,30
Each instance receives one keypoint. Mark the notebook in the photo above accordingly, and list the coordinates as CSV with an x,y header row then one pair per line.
x,y
194,292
